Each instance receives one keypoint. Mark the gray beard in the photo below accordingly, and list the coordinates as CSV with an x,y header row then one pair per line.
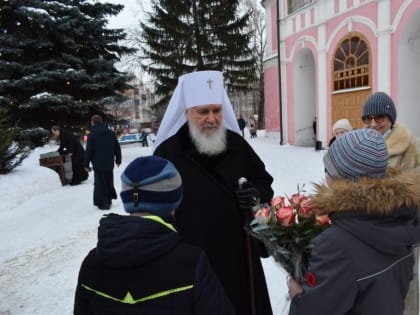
x,y
208,144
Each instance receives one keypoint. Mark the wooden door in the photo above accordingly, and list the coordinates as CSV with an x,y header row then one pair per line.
x,y
351,79
349,105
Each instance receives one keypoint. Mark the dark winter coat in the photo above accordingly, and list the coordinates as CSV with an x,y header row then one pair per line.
x,y
140,267
102,148
209,217
241,123
69,144
363,263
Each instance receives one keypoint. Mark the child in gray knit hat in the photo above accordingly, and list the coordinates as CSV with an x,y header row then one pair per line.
x,y
366,255
361,153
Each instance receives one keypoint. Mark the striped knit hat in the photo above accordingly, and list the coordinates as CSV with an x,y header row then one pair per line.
x,y
380,104
357,153
151,184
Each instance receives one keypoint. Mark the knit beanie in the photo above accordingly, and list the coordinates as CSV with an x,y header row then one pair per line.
x,y
342,124
380,104
357,153
151,184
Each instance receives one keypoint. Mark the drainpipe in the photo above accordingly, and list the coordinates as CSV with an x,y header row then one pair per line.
x,y
279,70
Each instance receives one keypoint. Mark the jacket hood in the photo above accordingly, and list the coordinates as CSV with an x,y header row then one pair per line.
x,y
374,196
130,241
100,129
382,213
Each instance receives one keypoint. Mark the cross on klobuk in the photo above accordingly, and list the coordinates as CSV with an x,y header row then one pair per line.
x,y
209,81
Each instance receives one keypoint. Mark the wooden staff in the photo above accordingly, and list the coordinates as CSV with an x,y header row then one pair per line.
x,y
248,249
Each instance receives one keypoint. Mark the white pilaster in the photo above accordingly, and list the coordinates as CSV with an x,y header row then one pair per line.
x,y
384,46
323,93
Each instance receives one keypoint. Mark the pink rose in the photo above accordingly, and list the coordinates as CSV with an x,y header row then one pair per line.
x,y
286,216
278,202
296,200
304,208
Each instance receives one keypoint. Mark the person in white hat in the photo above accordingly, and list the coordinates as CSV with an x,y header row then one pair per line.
x,y
340,127
200,135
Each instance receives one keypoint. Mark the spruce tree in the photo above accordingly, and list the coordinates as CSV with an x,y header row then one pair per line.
x,y
57,60
182,36
12,152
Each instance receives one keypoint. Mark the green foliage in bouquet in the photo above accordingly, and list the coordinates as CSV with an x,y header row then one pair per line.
x,y
286,227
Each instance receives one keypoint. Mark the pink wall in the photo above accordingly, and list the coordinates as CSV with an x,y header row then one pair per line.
x,y
274,36
336,6
290,74
333,37
271,94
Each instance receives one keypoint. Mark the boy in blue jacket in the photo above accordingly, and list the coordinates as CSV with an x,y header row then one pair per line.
x,y
139,265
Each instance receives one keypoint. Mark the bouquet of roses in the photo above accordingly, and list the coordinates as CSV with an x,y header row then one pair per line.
x,y
286,227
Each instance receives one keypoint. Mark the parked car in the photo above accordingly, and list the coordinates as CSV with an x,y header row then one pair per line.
x,y
129,138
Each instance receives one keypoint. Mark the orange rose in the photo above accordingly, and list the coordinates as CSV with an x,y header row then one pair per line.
x,y
304,209
286,216
278,202
322,220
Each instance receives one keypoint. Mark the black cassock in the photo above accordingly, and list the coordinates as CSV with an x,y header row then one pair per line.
x,y
70,144
210,218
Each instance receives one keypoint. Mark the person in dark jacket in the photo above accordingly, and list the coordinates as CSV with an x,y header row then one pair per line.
x,y
71,146
242,125
139,265
363,263
200,135
103,150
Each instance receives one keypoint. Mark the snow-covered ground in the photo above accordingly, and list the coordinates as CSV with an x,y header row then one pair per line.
x,y
47,229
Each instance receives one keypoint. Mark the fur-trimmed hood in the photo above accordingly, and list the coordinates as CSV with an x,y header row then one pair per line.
x,y
383,214
371,196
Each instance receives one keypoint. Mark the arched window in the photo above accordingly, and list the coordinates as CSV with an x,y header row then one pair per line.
x,y
351,64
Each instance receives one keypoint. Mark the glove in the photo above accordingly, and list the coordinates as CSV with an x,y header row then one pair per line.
x,y
247,197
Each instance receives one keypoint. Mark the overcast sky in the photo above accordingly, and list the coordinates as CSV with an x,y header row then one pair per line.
x,y
130,15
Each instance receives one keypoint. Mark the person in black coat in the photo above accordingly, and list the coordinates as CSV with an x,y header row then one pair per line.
x,y
102,150
242,125
139,265
363,263
200,135
71,146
